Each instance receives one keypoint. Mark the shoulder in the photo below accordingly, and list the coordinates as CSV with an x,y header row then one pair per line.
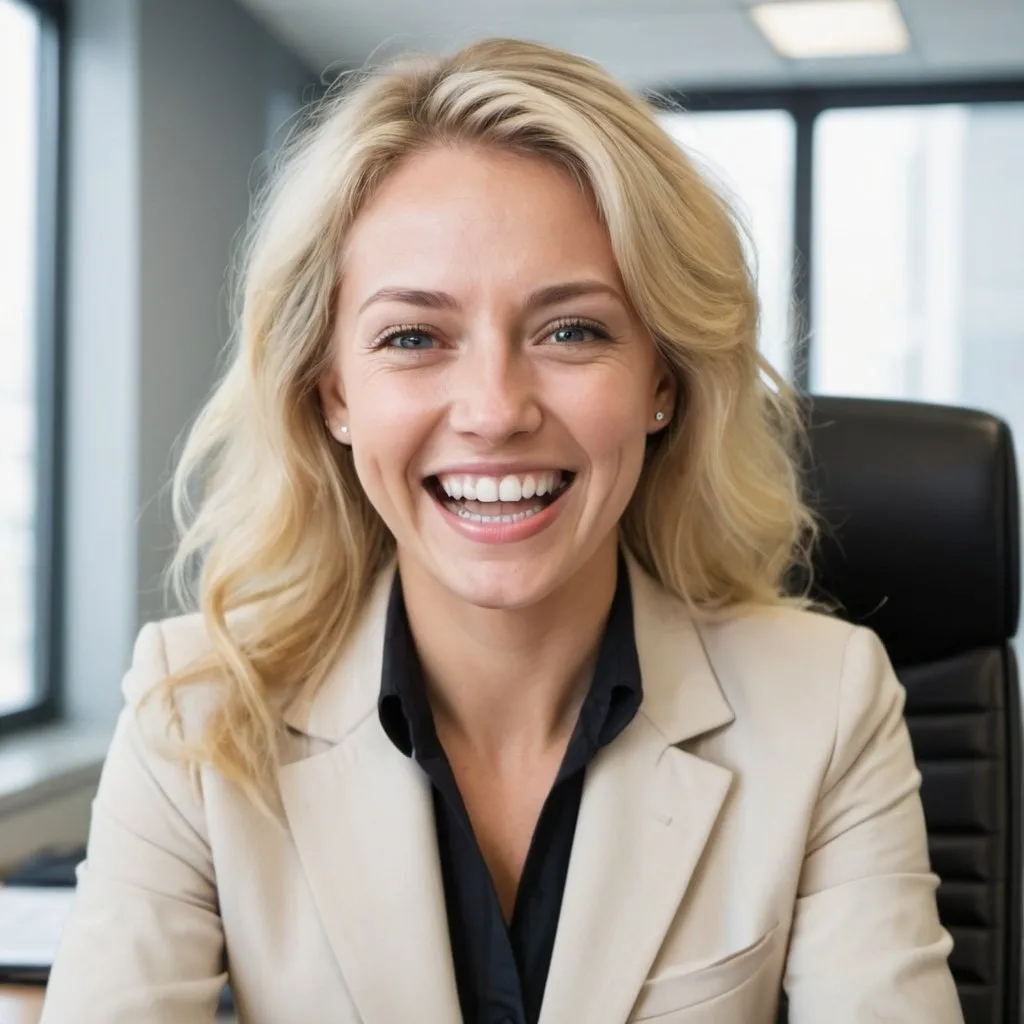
x,y
162,649
165,645
778,637
775,665
784,661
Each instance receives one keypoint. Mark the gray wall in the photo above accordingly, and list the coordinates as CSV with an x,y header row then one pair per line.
x,y
172,105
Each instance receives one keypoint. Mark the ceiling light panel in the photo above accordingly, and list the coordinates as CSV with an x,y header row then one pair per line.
x,y
804,29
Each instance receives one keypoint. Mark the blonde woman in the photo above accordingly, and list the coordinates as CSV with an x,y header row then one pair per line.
x,y
494,708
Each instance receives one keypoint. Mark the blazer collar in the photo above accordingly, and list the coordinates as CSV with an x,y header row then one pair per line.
x,y
682,696
349,690
359,808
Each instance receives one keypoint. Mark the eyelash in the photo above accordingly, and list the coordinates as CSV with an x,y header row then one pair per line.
x,y
587,325
560,325
384,340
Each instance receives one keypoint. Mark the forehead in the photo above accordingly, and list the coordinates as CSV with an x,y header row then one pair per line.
x,y
450,216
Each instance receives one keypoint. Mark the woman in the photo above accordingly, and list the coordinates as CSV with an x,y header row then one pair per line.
x,y
495,709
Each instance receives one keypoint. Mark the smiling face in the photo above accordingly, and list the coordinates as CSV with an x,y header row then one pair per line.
x,y
496,385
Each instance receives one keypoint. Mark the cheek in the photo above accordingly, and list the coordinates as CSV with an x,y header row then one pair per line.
x,y
389,425
609,424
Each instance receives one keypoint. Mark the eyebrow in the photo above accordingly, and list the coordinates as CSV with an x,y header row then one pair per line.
x,y
537,300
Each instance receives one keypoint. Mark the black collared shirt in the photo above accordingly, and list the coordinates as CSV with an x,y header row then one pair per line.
x,y
501,970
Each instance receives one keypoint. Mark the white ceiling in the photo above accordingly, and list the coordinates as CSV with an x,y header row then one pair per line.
x,y
651,43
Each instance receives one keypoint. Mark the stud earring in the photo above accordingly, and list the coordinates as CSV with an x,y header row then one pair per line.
x,y
659,415
327,424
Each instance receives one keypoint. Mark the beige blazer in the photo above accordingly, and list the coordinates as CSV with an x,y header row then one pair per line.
x,y
757,823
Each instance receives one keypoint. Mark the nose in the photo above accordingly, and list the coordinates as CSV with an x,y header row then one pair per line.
x,y
493,392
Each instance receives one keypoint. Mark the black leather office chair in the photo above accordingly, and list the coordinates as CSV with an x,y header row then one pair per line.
x,y
921,544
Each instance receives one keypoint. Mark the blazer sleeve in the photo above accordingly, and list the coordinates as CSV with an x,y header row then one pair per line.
x,y
866,943
144,939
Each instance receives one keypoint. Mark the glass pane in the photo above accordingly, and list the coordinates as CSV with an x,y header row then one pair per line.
x,y
19,72
919,256
749,156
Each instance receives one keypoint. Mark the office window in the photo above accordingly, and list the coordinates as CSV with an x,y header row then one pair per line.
x,y
21,191
750,156
919,255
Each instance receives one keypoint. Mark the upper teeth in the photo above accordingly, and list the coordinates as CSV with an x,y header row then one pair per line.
x,y
505,488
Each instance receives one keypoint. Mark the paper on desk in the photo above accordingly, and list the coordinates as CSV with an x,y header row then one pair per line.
x,y
31,922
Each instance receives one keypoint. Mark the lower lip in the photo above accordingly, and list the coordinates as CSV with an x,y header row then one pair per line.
x,y
504,533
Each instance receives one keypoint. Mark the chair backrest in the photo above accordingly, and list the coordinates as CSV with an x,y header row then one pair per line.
x,y
921,543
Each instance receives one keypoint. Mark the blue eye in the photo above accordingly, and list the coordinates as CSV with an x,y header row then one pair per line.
x,y
576,333
407,341
570,335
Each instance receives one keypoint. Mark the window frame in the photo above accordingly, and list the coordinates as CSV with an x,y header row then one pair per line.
x,y
49,379
805,104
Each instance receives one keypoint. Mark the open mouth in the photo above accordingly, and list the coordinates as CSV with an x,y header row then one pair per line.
x,y
507,499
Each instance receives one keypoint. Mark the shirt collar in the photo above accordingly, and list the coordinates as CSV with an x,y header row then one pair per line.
x,y
614,697
403,708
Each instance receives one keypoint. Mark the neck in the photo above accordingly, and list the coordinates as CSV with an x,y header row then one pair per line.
x,y
510,681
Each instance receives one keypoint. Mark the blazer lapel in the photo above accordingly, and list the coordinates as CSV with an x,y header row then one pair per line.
x,y
363,823
362,818
647,813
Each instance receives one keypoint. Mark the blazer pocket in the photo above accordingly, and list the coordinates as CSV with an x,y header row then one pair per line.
x,y
678,989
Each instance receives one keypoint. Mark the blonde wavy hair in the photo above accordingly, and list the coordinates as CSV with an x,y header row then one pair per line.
x,y
281,546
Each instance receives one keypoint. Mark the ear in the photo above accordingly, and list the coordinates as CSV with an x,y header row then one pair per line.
x,y
664,397
332,405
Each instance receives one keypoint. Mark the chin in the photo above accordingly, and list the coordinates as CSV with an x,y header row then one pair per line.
x,y
499,586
